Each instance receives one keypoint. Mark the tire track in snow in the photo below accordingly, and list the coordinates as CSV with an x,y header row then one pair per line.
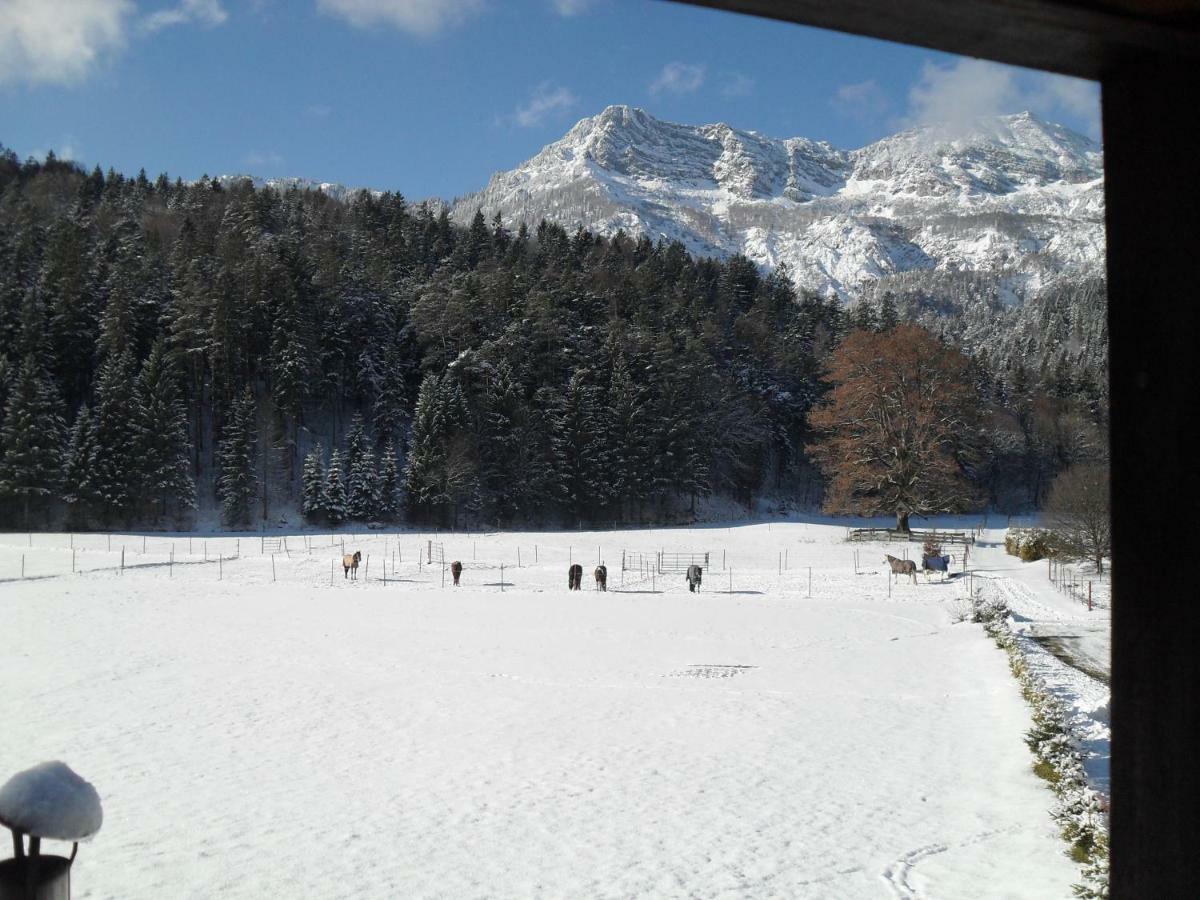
x,y
897,874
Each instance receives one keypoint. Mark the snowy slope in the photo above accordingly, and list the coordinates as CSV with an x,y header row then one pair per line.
x,y
1013,195
262,727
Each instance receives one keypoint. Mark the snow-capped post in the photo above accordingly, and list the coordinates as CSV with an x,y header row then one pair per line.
x,y
50,802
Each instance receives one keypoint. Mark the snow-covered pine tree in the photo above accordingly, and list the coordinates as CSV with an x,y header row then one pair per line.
x,y
362,479
389,487
335,490
113,460
424,473
313,478
237,486
31,440
163,447
79,461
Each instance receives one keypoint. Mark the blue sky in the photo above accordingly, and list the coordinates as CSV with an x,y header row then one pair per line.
x,y
429,97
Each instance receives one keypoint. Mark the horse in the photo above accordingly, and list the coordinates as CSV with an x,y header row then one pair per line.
x,y
574,577
455,571
935,564
350,564
902,566
694,574
601,578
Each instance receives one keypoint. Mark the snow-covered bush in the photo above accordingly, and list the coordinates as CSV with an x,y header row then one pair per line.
x,y
1028,544
1078,810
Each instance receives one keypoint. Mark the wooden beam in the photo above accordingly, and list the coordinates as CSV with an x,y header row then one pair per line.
x,y
1084,39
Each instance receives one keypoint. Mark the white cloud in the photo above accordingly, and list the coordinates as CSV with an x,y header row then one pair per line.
x,y
546,99
260,158
864,100
958,94
678,78
318,110
209,13
60,42
572,7
737,85
420,17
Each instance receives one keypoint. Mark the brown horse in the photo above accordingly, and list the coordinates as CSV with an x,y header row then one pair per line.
x,y
574,577
350,564
601,578
455,571
902,566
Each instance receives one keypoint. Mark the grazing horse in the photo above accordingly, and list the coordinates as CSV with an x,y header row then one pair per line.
x,y
455,571
902,566
350,564
601,578
574,577
694,574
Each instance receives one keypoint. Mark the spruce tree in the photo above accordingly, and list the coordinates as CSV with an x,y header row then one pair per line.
x,y
389,487
114,435
163,447
313,501
237,487
335,490
31,440
79,462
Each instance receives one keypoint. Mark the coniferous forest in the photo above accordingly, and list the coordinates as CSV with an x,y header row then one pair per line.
x,y
170,350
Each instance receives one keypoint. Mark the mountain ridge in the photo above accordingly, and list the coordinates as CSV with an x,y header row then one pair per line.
x,y
1012,195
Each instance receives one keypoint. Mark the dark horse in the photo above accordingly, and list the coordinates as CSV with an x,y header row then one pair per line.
x,y
694,574
601,578
455,571
350,564
574,577
902,566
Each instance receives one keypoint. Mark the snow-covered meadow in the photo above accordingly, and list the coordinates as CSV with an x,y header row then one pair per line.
x,y
257,725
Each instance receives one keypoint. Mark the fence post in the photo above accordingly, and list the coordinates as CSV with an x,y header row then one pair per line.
x,y
429,551
810,582
272,567
502,578
518,556
122,561
22,566
220,567
171,563
72,560
143,543
367,566
1089,596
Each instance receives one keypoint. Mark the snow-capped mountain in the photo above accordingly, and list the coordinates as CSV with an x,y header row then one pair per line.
x,y
332,188
1014,196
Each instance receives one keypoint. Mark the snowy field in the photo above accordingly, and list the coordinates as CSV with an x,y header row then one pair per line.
x,y
266,733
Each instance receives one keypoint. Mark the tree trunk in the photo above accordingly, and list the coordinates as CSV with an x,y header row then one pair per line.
x,y
901,520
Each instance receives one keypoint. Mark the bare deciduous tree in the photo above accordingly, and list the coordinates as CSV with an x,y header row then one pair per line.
x,y
897,426
1079,512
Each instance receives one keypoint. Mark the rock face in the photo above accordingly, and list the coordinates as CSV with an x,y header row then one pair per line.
x,y
1014,197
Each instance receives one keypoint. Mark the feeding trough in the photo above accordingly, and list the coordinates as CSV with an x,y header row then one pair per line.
x,y
47,802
